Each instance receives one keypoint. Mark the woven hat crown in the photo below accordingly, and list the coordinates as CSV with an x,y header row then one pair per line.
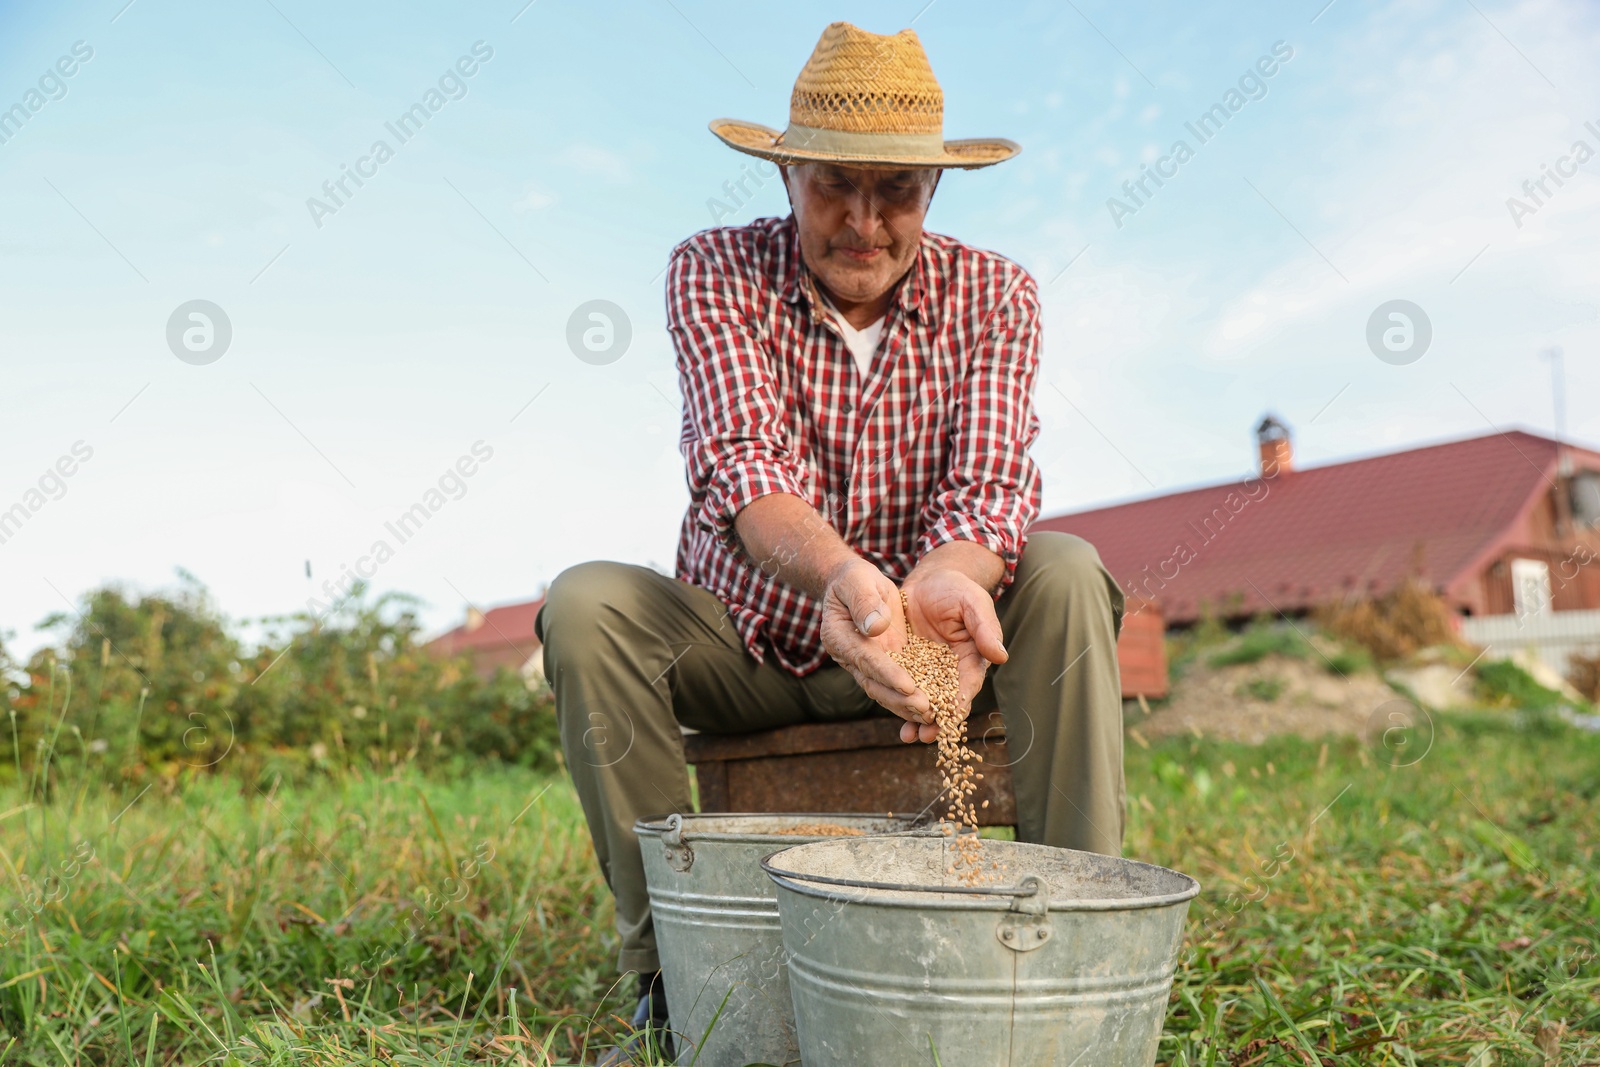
x,y
863,100
864,82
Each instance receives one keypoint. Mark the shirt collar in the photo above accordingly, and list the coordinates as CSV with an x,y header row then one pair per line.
x,y
796,280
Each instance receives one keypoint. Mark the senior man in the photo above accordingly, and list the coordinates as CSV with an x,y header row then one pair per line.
x,y
857,418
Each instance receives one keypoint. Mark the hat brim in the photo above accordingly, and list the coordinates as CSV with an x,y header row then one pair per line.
x,y
763,141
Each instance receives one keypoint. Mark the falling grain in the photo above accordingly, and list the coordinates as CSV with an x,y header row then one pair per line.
x,y
936,670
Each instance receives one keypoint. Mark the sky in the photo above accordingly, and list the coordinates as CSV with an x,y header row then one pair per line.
x,y
406,340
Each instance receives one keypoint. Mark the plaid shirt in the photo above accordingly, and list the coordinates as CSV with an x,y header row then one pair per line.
x,y
931,446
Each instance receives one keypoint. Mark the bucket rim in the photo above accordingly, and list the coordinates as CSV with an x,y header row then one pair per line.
x,y
657,825
1000,898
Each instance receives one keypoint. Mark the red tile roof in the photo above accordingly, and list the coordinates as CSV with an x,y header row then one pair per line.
x,y
508,627
1308,536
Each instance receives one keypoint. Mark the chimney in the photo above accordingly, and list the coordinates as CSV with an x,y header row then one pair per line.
x,y
1277,452
474,619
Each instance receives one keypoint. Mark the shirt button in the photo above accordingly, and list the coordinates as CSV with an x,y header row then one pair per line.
x,y
847,407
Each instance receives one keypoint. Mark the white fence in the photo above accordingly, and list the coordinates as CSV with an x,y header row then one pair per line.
x,y
1554,636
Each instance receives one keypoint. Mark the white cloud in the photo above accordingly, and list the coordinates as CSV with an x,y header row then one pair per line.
x,y
1385,150
1404,199
600,162
532,200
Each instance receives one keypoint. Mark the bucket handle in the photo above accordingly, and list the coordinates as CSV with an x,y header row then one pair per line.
x,y
680,857
1025,927
1031,889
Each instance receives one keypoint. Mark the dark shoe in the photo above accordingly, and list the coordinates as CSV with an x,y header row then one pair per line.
x,y
650,1041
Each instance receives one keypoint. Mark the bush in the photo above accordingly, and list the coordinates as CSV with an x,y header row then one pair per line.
x,y
1395,625
1584,674
162,682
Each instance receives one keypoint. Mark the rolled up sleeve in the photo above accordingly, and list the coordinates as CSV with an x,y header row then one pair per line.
x,y
990,492
734,442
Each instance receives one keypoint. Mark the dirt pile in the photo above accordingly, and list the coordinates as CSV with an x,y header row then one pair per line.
x,y
1274,695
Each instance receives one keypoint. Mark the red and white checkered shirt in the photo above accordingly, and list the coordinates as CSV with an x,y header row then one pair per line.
x,y
930,446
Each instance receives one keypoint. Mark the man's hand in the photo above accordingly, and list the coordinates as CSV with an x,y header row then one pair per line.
x,y
948,606
861,624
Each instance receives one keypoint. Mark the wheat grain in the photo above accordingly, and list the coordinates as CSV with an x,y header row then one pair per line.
x,y
820,829
937,672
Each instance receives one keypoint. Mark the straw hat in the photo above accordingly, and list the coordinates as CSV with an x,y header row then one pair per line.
x,y
866,100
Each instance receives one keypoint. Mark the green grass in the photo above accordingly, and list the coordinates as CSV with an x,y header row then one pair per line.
x,y
1356,911
1370,913
1502,683
1259,642
443,921
1347,661
1266,689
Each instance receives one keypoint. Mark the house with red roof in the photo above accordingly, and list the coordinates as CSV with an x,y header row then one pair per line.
x,y
499,637
504,637
1505,526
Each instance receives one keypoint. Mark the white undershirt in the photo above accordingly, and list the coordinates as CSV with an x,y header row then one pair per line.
x,y
863,344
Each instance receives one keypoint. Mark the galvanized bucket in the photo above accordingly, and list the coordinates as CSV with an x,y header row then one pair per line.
x,y
717,930
1069,961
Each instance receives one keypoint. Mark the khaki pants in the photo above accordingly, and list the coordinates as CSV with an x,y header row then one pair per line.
x,y
631,654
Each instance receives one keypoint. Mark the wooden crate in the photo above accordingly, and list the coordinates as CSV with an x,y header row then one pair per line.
x,y
858,766
864,767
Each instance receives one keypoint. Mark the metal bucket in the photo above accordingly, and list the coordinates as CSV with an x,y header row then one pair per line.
x,y
1069,962
717,930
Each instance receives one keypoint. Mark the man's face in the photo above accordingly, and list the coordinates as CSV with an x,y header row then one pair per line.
x,y
859,228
